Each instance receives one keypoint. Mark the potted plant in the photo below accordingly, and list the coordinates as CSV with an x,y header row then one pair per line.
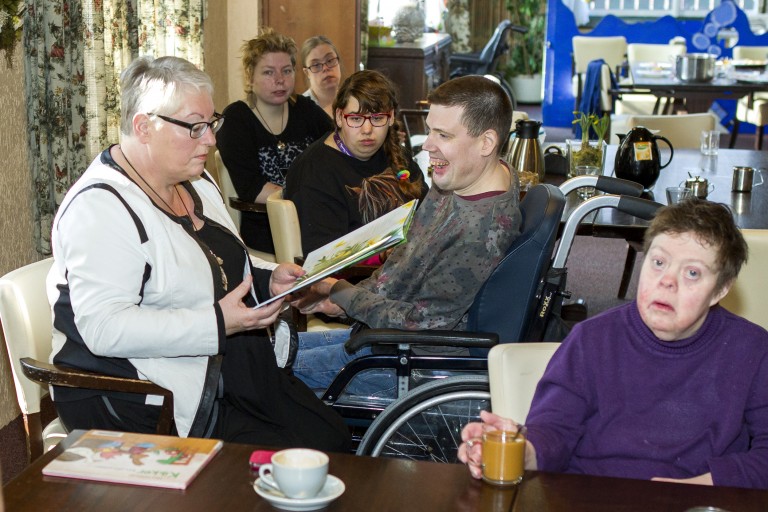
x,y
526,55
586,151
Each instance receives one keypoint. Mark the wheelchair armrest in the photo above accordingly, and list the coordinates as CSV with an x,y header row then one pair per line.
x,y
427,337
45,373
247,206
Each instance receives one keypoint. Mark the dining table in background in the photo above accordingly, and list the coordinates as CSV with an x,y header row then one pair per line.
x,y
750,209
698,96
374,484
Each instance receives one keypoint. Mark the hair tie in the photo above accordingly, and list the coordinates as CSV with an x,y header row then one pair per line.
x,y
403,174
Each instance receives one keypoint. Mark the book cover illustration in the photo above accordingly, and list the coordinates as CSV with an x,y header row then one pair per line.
x,y
366,241
139,459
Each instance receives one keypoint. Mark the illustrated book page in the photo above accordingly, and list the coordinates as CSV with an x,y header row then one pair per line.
x,y
366,241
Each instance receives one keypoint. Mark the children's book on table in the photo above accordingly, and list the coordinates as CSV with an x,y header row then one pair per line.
x,y
359,245
137,459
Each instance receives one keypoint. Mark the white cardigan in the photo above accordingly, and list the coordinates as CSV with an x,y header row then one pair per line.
x,y
166,327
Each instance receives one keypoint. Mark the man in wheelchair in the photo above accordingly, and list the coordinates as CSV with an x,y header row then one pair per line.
x,y
460,233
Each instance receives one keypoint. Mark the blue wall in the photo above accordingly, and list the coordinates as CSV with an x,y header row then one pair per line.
x,y
558,105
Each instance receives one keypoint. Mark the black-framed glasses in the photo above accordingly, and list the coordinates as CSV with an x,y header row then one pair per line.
x,y
196,130
318,66
357,120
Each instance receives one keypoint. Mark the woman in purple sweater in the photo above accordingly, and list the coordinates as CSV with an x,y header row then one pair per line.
x,y
669,387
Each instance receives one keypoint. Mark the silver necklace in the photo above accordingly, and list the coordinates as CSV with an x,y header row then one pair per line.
x,y
224,281
280,144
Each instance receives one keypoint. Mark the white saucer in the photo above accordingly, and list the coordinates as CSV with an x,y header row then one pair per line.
x,y
332,489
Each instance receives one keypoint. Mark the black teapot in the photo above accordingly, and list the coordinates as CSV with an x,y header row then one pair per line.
x,y
637,158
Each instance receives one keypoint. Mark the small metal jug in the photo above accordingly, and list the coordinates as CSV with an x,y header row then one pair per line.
x,y
699,186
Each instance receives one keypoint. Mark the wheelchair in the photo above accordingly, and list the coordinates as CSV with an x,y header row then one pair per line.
x,y
487,60
438,394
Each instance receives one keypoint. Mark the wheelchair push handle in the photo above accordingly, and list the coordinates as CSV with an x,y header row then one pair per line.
x,y
606,184
519,29
642,208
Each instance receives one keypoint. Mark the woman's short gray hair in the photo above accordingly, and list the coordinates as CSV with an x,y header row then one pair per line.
x,y
158,86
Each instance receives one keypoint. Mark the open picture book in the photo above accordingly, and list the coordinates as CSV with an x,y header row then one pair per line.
x,y
366,241
137,459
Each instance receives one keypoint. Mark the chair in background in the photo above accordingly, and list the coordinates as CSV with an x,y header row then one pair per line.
x,y
235,205
586,49
26,320
662,54
487,60
683,131
514,371
749,296
756,111
286,237
414,122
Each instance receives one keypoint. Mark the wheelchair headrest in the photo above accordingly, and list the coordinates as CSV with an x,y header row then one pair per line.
x,y
506,300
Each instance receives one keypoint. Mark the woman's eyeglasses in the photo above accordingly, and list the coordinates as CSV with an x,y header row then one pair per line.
x,y
196,130
318,66
357,120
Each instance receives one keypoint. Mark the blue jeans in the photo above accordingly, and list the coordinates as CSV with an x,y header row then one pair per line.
x,y
321,356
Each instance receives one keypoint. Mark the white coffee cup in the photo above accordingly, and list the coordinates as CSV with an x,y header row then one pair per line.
x,y
297,472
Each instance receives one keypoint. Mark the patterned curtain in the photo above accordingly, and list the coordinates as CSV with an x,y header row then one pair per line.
x,y
74,53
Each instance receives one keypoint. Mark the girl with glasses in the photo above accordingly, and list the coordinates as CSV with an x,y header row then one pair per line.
x,y
267,131
322,67
358,172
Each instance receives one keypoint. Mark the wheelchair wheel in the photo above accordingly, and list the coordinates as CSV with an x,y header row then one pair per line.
x,y
508,89
426,423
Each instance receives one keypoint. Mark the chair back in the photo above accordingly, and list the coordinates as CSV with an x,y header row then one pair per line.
x,y
25,315
496,46
227,189
643,52
586,49
750,53
514,371
749,296
683,130
506,302
284,224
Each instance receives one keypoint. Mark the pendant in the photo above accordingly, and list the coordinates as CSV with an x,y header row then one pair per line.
x,y
280,145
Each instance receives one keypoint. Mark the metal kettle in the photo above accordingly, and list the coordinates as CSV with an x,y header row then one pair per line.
x,y
637,158
525,153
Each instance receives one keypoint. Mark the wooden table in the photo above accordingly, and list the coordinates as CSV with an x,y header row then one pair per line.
x,y
698,96
374,484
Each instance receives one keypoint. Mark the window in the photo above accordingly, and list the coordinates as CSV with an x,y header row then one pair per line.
x,y
658,8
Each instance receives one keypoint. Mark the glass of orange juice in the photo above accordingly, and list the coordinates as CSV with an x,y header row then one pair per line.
x,y
504,456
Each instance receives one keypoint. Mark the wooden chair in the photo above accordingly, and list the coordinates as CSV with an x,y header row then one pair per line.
x,y
749,296
235,206
26,319
514,371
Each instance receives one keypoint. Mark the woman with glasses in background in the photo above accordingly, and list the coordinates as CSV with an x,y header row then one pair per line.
x,y
267,131
322,67
150,280
358,172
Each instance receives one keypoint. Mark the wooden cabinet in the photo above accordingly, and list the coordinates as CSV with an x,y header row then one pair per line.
x,y
416,68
